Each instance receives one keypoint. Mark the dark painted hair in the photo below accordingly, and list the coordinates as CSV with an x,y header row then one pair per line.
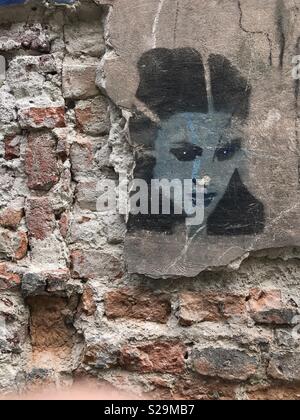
x,y
174,81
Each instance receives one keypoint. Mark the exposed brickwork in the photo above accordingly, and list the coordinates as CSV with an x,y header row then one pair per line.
x,y
164,357
8,279
42,117
226,363
10,218
137,304
201,307
89,264
40,162
39,217
12,147
69,307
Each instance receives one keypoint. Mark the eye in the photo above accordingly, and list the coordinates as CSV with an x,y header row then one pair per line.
x,y
228,150
187,152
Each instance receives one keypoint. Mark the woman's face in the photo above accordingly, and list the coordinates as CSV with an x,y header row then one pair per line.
x,y
197,146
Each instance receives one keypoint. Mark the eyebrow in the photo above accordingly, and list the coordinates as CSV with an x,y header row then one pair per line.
x,y
237,141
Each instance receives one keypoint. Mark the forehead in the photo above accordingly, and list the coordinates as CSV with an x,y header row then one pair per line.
x,y
194,126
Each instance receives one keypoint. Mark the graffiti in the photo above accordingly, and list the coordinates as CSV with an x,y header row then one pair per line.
x,y
197,134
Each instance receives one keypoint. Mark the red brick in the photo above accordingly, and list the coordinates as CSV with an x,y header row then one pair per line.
x,y
158,356
42,117
22,248
199,307
267,307
48,327
39,217
12,147
95,264
88,302
137,304
40,162
8,279
10,218
225,363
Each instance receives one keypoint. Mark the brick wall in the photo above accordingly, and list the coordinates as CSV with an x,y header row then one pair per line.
x,y
68,308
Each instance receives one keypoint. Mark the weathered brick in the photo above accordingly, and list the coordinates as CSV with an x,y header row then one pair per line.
x,y
92,116
22,247
86,194
225,363
101,355
40,162
63,137
157,356
267,307
38,118
79,78
12,147
8,279
48,329
13,245
57,280
82,156
42,282
137,304
189,387
93,263
285,366
199,307
39,217
85,38
10,218
88,302
273,393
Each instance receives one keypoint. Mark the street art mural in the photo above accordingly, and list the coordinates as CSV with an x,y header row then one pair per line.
x,y
209,98
200,135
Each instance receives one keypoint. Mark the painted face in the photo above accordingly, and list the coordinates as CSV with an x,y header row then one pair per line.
x,y
199,147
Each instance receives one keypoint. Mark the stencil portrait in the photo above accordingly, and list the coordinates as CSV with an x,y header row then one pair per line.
x,y
196,132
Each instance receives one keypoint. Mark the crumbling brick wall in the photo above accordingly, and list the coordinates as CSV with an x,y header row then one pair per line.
x,y
68,307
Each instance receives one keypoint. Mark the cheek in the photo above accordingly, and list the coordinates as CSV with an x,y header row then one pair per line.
x,y
167,166
221,173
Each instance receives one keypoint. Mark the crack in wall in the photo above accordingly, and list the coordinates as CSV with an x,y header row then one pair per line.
x,y
156,23
176,23
265,34
297,108
280,7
